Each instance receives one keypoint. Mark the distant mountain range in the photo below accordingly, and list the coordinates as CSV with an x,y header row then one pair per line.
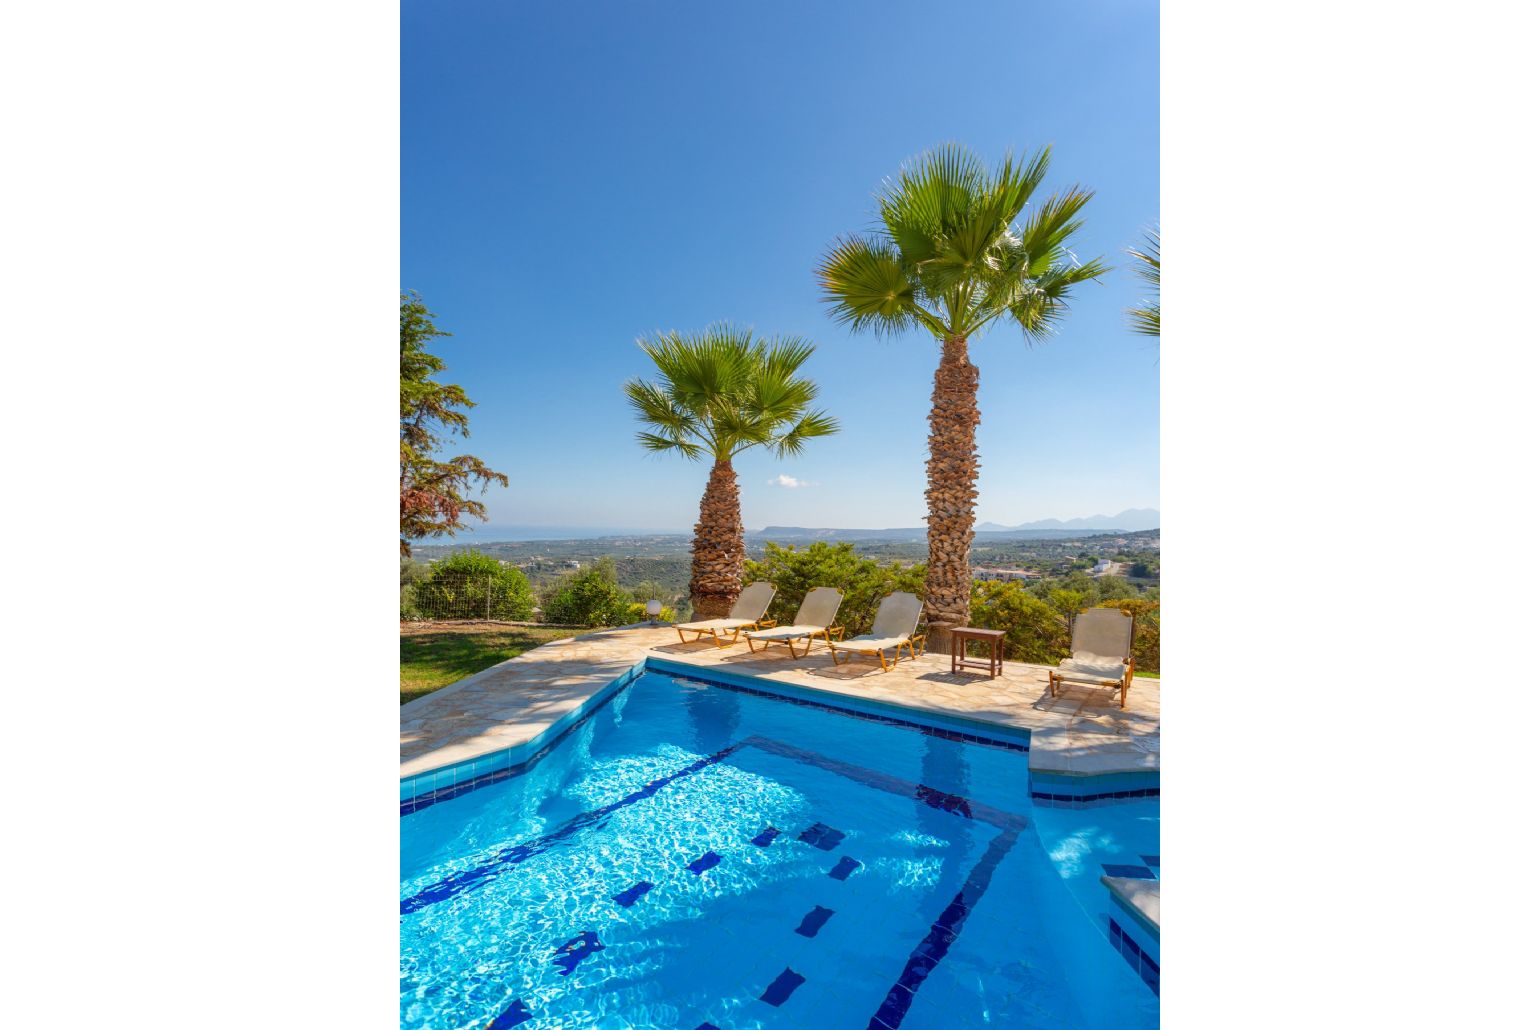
x,y
1130,521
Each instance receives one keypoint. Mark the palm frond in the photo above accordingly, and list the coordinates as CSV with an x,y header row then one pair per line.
x,y
959,246
809,426
1146,319
723,391
868,285
1046,301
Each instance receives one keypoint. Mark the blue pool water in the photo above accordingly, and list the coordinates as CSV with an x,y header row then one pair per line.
x,y
692,855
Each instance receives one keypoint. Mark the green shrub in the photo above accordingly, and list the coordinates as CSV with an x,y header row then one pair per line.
x,y
470,585
590,597
865,582
1035,630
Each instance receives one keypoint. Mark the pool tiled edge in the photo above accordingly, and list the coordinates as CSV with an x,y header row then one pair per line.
x,y
1081,745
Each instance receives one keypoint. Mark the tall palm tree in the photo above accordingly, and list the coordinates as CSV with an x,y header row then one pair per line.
x,y
1146,320
721,392
952,252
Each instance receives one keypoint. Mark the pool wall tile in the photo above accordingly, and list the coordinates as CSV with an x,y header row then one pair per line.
x,y
434,785
930,723
1126,941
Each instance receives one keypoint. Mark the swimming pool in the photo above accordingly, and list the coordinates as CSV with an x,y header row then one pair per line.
x,y
695,855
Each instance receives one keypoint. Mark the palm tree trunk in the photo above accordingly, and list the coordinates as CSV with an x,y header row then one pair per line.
x,y
951,473
716,566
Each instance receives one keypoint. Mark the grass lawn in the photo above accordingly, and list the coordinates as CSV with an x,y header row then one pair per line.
x,y
434,655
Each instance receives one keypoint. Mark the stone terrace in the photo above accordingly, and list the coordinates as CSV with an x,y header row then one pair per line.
x,y
1083,732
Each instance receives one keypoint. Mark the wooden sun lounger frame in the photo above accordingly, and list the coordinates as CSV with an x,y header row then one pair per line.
x,y
1057,679
717,640
914,639
826,634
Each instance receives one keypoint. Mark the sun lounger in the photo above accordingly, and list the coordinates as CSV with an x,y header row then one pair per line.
x,y
814,621
1102,653
897,618
747,613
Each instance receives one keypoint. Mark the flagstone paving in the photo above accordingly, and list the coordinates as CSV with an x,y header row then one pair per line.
x,y
1082,732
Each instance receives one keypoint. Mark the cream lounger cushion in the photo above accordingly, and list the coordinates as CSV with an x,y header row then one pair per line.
x,y
1085,665
710,624
814,616
785,632
869,643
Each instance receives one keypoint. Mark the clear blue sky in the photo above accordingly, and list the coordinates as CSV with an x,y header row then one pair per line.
x,y
575,175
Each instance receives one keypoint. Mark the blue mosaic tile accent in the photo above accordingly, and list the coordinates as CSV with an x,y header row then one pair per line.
x,y
943,933
844,868
708,1026
513,1015
824,838
889,720
943,801
1147,968
814,920
1137,872
706,861
1053,800
504,858
631,895
576,950
1153,861
768,834
885,782
783,985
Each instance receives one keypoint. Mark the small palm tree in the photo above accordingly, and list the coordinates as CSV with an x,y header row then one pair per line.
x,y
720,393
1146,320
951,254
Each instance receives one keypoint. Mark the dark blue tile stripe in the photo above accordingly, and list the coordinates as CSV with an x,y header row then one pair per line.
x,y
844,868
887,720
1080,800
825,838
783,985
814,920
768,834
1135,956
576,950
959,806
511,1016
942,933
943,801
1153,861
706,861
459,883
1135,872
632,894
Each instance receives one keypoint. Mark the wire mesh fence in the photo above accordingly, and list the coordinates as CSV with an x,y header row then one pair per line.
x,y
467,598
477,598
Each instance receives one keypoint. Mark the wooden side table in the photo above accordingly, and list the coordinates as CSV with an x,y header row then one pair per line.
x,y
994,639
